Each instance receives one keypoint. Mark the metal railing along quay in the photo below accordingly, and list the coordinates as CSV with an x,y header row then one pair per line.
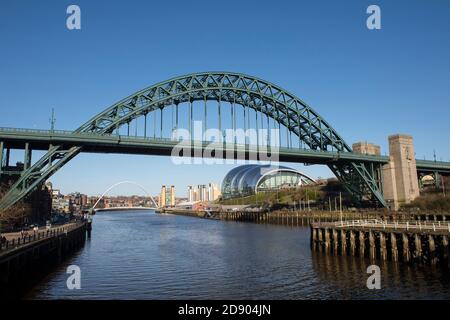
x,y
13,242
434,226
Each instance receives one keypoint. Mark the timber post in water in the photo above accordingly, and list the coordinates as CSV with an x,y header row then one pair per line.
x,y
420,242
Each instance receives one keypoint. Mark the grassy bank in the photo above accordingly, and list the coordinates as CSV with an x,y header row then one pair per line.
x,y
431,201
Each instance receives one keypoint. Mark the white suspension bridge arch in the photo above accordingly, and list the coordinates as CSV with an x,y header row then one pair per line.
x,y
124,182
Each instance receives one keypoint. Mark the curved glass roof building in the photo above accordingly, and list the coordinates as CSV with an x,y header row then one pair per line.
x,y
250,179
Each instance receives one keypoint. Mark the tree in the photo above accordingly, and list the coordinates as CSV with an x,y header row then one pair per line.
x,y
15,214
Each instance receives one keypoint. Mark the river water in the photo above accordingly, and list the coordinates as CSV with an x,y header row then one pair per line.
x,y
143,255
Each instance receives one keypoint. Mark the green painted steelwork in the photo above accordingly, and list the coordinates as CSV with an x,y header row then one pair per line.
x,y
432,166
360,175
1,156
42,139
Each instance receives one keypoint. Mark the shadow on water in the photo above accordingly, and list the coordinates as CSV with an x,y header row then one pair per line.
x,y
41,271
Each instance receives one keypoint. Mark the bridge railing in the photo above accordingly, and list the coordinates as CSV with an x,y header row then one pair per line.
x,y
34,130
160,139
222,144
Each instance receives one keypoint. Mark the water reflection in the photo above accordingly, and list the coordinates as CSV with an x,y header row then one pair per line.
x,y
142,255
398,280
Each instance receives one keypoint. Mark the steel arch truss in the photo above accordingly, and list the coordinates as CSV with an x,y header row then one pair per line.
x,y
262,96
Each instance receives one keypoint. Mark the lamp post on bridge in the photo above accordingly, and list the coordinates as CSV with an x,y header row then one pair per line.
x,y
52,121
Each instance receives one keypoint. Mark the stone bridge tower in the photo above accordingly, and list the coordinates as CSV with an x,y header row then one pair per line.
x,y
401,184
400,181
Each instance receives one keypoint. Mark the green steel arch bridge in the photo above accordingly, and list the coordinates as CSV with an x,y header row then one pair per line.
x,y
144,123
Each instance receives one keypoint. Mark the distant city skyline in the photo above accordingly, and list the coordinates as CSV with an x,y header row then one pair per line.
x,y
368,84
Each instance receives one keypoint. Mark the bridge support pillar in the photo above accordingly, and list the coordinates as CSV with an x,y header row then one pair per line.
x,y
27,157
8,155
1,156
437,180
401,184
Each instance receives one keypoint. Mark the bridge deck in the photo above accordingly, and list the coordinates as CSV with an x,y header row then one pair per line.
x,y
41,139
432,166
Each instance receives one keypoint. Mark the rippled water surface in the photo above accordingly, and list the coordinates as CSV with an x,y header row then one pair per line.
x,y
143,255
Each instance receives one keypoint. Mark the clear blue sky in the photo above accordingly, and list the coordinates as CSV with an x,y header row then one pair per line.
x,y
367,84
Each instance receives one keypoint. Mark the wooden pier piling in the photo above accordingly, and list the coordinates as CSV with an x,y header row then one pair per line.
x,y
383,248
352,243
373,251
335,241
394,248
362,244
425,242
432,249
417,246
343,242
406,251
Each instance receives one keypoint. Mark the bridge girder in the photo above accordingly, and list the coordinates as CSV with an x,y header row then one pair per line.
x,y
260,95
